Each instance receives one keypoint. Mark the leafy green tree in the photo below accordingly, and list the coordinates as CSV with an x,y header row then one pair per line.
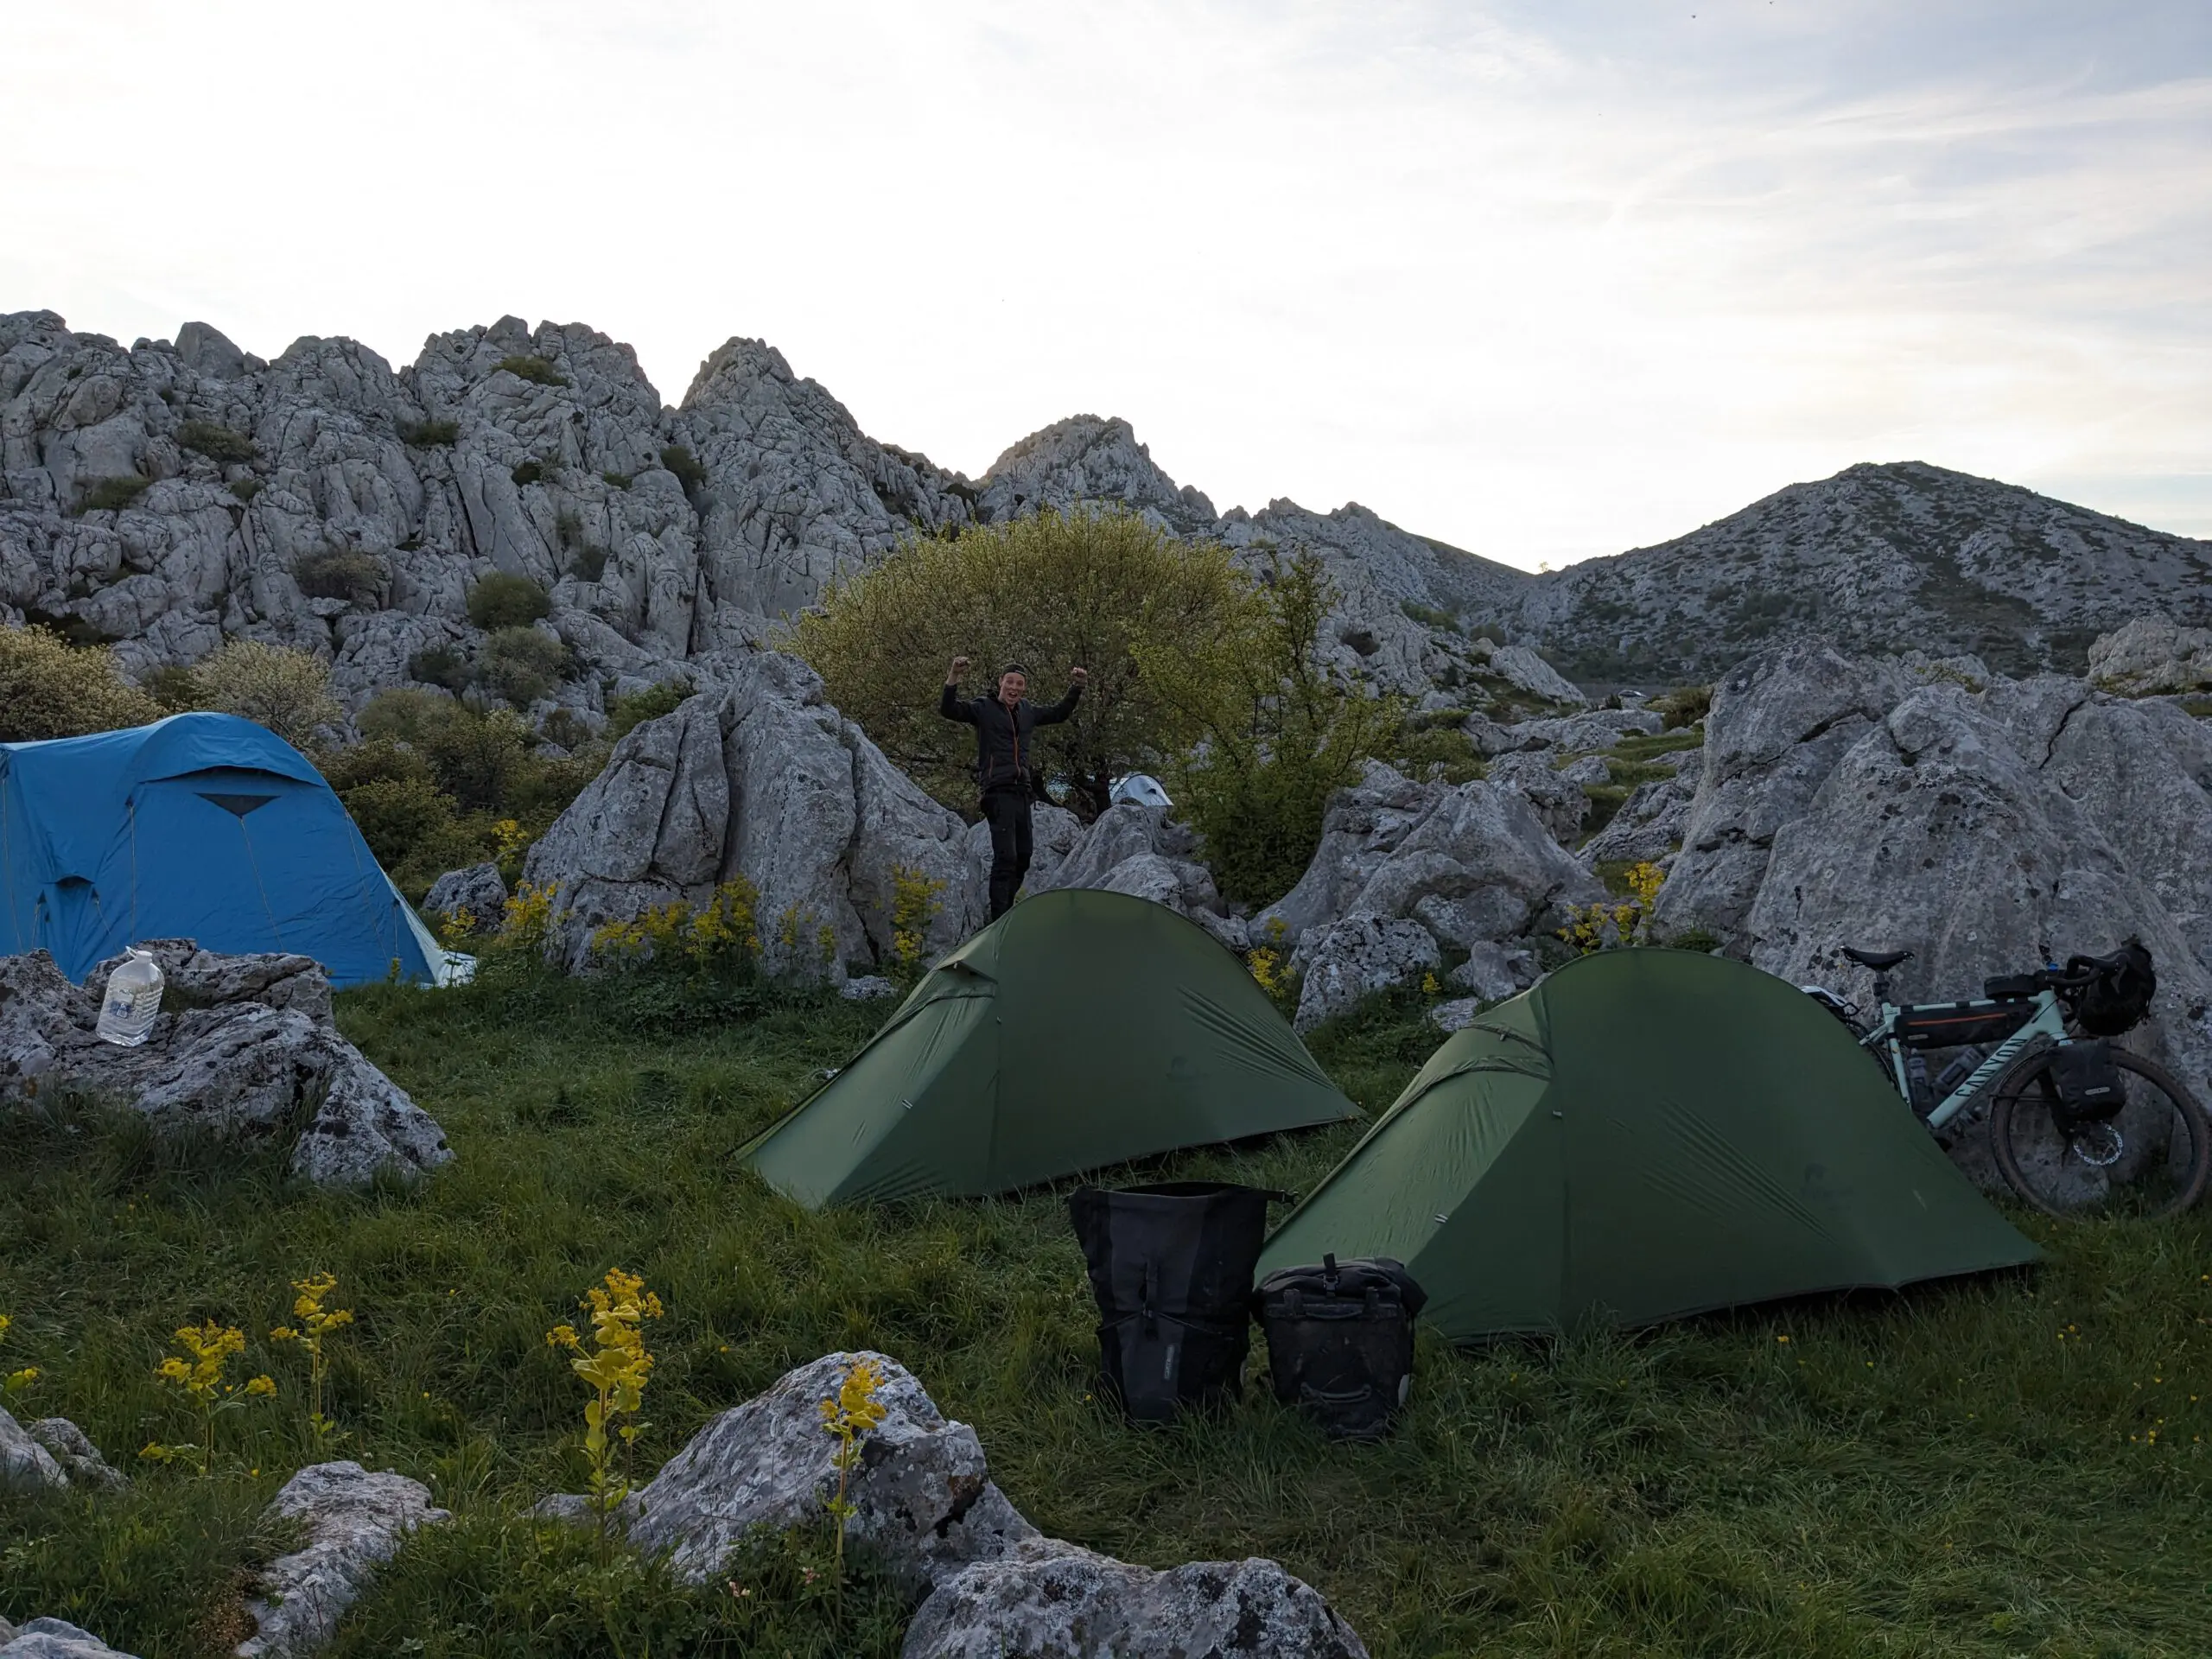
x,y
1054,592
51,689
286,690
504,600
1280,734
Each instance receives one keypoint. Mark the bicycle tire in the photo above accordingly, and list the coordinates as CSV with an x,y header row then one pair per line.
x,y
2023,1117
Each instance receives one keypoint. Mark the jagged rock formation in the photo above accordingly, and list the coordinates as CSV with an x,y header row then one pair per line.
x,y
2150,655
927,1515
1846,803
255,1058
52,1638
1878,559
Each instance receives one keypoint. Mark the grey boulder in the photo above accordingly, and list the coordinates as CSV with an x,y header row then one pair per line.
x,y
1557,796
1519,666
479,893
53,1638
26,1465
758,778
1051,1601
1141,851
1649,826
1355,959
71,1447
354,1522
2151,654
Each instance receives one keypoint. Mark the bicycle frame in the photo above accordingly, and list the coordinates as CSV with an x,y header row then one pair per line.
x,y
2049,1021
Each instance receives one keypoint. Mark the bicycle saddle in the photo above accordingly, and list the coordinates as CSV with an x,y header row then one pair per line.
x,y
1880,961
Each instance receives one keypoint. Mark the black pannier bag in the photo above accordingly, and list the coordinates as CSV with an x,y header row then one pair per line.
x,y
2011,987
1952,1025
1340,1341
2090,1088
1171,1266
2116,999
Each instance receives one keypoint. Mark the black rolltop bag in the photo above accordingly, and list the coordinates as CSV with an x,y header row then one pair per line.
x,y
1171,1266
1340,1341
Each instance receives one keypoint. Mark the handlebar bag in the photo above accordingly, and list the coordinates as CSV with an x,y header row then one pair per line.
x,y
1952,1025
2090,1089
1340,1341
2118,997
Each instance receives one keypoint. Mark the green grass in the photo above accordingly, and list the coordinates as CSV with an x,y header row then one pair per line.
x,y
1931,1474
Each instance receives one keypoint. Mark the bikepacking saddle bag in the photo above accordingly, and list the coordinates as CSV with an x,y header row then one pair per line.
x,y
1952,1025
1340,1341
1171,1269
2117,999
2090,1088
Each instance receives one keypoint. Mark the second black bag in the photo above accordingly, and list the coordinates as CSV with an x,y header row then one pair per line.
x,y
1171,1267
1340,1341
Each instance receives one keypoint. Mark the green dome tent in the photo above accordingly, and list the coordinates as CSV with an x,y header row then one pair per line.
x,y
1082,1028
1646,1133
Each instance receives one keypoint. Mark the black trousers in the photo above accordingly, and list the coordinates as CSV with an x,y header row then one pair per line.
x,y
1008,812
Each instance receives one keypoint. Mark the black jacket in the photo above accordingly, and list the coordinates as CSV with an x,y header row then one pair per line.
x,y
1002,758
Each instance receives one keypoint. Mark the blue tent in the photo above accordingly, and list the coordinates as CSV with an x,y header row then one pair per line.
x,y
204,826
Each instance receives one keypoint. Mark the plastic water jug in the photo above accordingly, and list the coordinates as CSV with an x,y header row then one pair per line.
x,y
133,997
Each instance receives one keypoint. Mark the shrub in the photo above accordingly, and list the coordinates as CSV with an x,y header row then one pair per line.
x,y
617,480
445,665
403,819
1429,616
587,563
356,577
626,713
246,488
529,473
428,435
685,465
286,690
111,494
536,370
48,688
501,601
1283,733
1054,591
521,665
1684,706
218,443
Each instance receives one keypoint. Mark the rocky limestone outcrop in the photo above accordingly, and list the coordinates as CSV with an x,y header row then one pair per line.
x,y
758,778
479,892
1597,728
354,1522
1519,666
1554,792
80,1459
927,1515
1143,852
52,1638
1054,833
254,1056
25,1465
1052,1600
1461,866
2150,655
1986,832
1649,824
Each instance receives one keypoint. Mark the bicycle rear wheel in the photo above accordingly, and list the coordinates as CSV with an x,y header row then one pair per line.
x,y
2153,1157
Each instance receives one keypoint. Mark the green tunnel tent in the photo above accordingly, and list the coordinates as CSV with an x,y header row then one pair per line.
x,y
1645,1135
1080,1029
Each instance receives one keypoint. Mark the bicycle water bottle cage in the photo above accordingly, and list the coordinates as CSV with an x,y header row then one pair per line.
x,y
1880,961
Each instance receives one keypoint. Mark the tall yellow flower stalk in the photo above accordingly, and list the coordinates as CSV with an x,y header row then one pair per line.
x,y
316,1325
199,1373
615,1365
16,1382
856,1410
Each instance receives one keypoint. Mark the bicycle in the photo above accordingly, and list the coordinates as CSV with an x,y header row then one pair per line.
x,y
2079,1126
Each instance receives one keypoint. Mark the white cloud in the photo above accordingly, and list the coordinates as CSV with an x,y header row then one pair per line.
x,y
1542,284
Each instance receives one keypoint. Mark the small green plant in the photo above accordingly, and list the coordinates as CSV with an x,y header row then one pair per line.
x,y
199,1375
529,473
1603,927
915,903
429,434
855,1408
445,665
503,599
722,933
315,1323
341,573
246,488
617,480
218,443
625,714
686,466
1428,616
521,665
536,370
587,563
1684,706
615,1365
529,917
111,494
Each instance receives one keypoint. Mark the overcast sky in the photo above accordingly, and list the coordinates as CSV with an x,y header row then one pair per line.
x,y
1541,280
